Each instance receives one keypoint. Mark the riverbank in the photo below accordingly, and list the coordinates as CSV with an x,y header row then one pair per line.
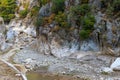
x,y
82,66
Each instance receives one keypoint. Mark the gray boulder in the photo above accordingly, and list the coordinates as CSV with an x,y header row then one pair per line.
x,y
116,65
10,35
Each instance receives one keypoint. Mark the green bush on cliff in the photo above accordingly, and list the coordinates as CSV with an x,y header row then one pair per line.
x,y
84,1
34,11
87,26
61,20
81,14
112,6
38,22
80,10
58,5
88,22
23,13
7,9
116,5
84,34
43,2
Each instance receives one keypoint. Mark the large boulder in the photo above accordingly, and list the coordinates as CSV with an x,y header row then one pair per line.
x,y
116,65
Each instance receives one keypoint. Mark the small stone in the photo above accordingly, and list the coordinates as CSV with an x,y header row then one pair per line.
x,y
17,75
29,60
28,66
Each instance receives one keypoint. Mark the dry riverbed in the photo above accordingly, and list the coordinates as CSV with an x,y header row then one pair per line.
x,y
79,66
88,66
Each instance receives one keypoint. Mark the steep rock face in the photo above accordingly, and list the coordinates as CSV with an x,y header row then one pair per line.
x,y
107,32
105,37
3,45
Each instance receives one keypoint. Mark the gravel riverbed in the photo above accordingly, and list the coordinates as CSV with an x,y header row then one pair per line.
x,y
89,66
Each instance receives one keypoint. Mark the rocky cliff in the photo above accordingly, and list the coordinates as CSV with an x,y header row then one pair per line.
x,y
76,25
103,37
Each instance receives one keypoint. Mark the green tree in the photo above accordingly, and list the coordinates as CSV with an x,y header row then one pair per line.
x,y
81,14
88,22
58,5
61,20
23,13
84,34
78,12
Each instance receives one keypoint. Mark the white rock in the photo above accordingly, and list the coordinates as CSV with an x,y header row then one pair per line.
x,y
28,66
17,75
30,31
10,35
29,60
116,64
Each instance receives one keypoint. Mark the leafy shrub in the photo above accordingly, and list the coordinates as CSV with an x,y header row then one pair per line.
x,y
23,13
87,26
38,22
104,3
84,1
50,19
111,5
7,9
84,34
34,11
88,22
43,2
61,20
109,10
80,10
58,5
81,14
116,5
